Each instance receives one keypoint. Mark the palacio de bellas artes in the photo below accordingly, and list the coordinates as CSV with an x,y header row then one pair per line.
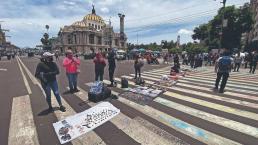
x,y
90,35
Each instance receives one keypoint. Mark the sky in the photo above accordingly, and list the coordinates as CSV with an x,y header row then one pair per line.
x,y
146,21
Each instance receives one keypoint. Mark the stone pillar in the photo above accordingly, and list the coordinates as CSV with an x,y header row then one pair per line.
x,y
122,35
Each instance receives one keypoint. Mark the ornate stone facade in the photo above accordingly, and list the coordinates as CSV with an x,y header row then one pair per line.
x,y
90,34
2,37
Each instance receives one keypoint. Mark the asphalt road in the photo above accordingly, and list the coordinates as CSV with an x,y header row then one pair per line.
x,y
195,114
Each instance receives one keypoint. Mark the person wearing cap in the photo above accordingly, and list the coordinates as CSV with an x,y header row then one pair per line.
x,y
112,65
71,65
100,64
46,72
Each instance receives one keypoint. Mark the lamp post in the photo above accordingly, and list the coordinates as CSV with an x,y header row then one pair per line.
x,y
222,24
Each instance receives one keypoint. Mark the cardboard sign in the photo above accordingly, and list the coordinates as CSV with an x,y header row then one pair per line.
x,y
81,123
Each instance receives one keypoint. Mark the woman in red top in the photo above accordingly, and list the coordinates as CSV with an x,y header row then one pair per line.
x,y
99,67
71,65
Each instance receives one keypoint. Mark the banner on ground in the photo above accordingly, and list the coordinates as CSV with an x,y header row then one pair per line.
x,y
81,123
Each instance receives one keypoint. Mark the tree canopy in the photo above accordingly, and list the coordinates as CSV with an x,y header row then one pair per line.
x,y
237,21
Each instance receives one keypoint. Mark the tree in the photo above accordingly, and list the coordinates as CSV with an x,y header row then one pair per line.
x,y
239,21
46,42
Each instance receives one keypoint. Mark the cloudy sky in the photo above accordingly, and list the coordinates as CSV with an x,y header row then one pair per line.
x,y
150,20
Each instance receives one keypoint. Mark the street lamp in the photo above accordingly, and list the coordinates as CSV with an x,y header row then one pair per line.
x,y
222,23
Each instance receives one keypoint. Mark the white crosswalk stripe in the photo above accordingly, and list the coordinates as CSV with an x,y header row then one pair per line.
x,y
191,97
131,126
181,126
22,128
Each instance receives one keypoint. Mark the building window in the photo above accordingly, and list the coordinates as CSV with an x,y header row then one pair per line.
x,y
98,27
116,42
95,26
92,25
91,37
122,44
75,39
99,40
89,24
69,39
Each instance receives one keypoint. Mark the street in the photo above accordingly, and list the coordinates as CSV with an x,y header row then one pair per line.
x,y
188,113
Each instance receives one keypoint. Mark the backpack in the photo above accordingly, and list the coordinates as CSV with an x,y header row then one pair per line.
x,y
224,64
124,83
98,92
139,81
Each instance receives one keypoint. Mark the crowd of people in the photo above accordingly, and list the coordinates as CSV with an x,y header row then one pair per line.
x,y
47,69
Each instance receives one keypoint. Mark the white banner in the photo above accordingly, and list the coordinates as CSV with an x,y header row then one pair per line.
x,y
81,123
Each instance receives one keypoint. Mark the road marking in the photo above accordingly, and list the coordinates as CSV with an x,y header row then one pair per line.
x,y
211,72
89,138
234,125
181,83
234,75
249,130
33,79
218,107
24,78
130,126
206,95
22,128
232,82
179,125
3,69
210,84
209,80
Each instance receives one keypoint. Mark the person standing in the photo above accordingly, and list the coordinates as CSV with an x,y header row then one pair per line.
x,y
112,66
237,61
138,64
253,63
223,67
100,64
176,59
71,65
57,56
46,72
191,60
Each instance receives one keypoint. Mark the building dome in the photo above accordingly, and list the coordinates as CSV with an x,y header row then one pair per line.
x,y
93,17
79,23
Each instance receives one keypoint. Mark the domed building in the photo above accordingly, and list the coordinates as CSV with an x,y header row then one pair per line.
x,y
90,34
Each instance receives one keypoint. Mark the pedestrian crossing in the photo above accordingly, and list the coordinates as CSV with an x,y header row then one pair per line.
x,y
187,113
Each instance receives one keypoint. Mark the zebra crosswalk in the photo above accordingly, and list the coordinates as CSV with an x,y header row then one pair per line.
x,y
187,113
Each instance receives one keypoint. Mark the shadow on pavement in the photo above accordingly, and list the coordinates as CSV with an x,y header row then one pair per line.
x,y
46,111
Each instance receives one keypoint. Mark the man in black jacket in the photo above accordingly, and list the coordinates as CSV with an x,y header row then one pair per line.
x,y
253,62
112,66
46,72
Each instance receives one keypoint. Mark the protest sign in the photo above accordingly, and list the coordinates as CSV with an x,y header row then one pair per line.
x,y
81,123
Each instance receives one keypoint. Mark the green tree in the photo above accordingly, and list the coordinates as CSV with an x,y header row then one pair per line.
x,y
239,20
